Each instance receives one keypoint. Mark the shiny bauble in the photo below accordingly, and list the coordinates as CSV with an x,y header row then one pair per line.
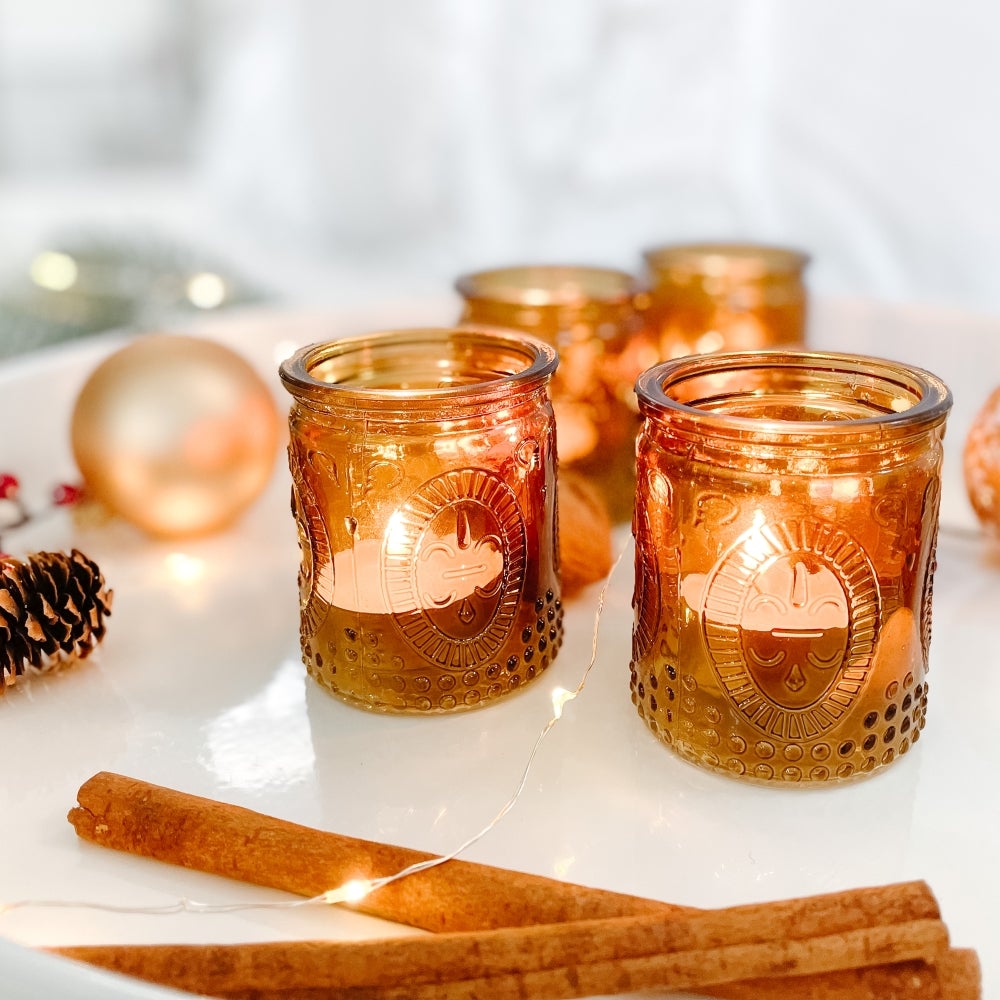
x,y
176,434
981,464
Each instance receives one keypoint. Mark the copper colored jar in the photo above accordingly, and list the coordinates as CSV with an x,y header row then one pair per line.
x,y
423,469
592,316
785,525
707,297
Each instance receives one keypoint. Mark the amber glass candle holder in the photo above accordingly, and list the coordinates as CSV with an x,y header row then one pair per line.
x,y
785,525
423,467
593,317
707,297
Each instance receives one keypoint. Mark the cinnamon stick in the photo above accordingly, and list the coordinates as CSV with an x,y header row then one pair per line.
x,y
955,975
202,834
620,954
209,836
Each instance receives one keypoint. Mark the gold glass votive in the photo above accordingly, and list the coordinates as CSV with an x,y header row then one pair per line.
x,y
785,525
707,297
592,316
423,468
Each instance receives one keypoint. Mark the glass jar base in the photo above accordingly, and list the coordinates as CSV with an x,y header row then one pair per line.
x,y
767,764
449,703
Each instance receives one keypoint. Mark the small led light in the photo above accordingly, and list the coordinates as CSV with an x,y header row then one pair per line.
x,y
184,568
350,892
559,698
54,270
562,866
206,290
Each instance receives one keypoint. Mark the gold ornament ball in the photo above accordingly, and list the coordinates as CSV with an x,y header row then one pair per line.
x,y
176,434
981,463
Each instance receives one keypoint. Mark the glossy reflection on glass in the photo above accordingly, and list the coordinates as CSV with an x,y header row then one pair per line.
x,y
785,525
707,297
592,316
423,466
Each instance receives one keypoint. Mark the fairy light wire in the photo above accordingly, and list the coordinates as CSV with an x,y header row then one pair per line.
x,y
560,698
355,890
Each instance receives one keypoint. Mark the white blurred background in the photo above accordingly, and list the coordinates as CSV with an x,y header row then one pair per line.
x,y
332,151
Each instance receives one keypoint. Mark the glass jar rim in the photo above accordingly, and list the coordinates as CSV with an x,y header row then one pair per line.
x,y
933,398
537,361
549,285
722,259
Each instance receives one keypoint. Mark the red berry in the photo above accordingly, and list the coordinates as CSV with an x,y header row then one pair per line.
x,y
66,494
9,486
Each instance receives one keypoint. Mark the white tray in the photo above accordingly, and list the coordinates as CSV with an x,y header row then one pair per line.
x,y
198,686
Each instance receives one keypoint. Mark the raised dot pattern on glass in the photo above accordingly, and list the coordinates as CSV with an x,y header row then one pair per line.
x,y
364,659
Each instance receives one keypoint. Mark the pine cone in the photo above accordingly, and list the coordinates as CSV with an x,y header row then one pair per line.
x,y
52,610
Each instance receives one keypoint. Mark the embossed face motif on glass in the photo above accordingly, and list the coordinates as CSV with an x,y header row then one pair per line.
x,y
423,470
788,617
794,629
461,569
454,563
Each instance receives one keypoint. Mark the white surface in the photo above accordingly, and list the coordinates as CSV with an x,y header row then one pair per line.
x,y
198,686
